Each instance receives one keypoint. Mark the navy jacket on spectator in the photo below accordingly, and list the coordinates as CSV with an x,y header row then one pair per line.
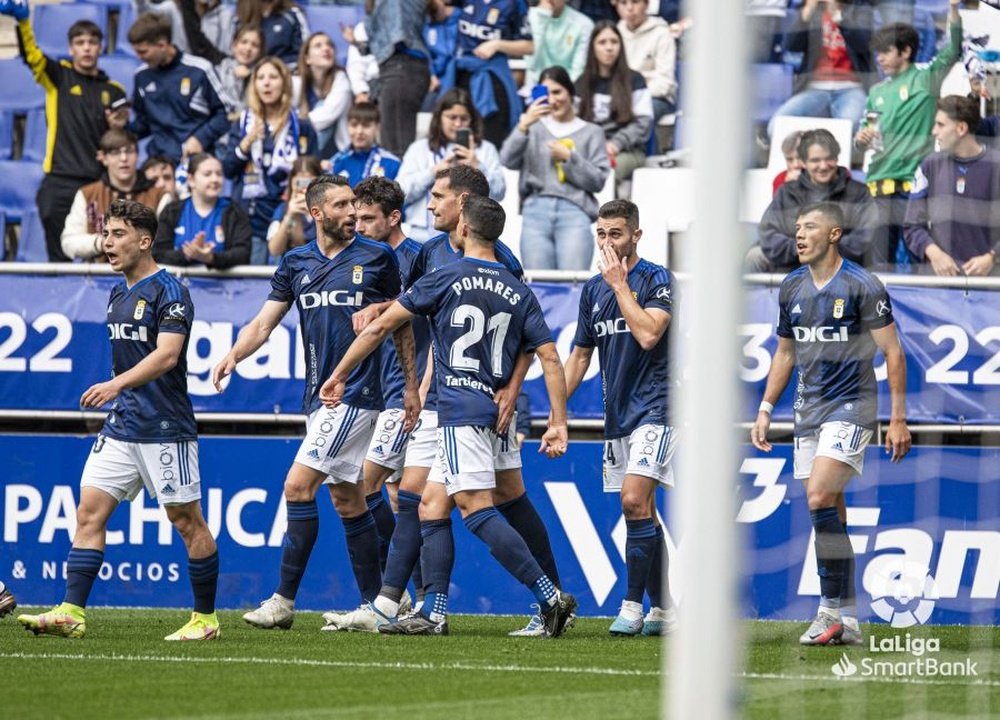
x,y
777,227
284,34
964,224
856,24
174,102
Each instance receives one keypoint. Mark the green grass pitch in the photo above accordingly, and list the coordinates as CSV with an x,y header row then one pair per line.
x,y
122,669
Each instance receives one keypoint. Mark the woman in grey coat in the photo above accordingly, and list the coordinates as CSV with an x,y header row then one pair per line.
x,y
563,163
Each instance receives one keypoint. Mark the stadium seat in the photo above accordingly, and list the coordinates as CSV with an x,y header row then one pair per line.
x,y
52,22
35,128
330,19
20,91
121,69
772,85
6,135
126,17
31,244
19,183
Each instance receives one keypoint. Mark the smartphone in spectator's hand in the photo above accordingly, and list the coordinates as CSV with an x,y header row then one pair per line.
x,y
539,91
463,137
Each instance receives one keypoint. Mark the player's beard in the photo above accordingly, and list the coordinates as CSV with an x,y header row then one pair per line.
x,y
335,232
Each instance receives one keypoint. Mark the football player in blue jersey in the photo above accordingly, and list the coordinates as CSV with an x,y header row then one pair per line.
x,y
482,318
832,316
452,186
149,438
625,313
329,280
379,205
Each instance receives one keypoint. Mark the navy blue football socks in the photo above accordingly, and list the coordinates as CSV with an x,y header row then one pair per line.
x,y
362,547
437,558
657,572
82,567
847,600
204,574
385,524
522,516
303,527
505,544
640,548
832,551
404,550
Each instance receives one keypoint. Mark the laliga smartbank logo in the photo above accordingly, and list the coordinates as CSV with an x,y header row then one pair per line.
x,y
904,595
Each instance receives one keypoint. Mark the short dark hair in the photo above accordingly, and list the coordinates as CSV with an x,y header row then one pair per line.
x,y
116,139
316,191
385,193
961,109
196,160
791,142
84,27
134,214
820,136
625,209
831,210
899,36
156,160
464,178
150,28
364,113
485,217
558,75
451,98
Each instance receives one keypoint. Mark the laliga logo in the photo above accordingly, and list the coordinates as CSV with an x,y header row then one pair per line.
x,y
905,594
844,667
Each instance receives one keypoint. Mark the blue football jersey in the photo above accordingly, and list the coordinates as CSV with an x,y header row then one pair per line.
x,y
161,409
393,382
482,317
437,253
636,382
327,293
833,344
491,20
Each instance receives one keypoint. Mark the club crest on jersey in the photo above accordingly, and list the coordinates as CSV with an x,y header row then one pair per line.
x,y
838,308
140,309
185,86
359,275
105,98
492,16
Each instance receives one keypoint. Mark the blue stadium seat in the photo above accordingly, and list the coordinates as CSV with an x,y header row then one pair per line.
x,y
35,128
6,136
772,85
31,245
19,183
120,68
329,19
125,19
52,22
20,91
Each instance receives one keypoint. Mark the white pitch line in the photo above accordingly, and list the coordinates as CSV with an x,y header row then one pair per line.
x,y
434,667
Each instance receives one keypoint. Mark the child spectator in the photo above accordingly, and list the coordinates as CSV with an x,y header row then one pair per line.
x,y
793,165
81,103
615,97
282,23
265,141
177,97
292,225
650,49
364,158
454,114
160,171
321,92
119,153
205,229
563,162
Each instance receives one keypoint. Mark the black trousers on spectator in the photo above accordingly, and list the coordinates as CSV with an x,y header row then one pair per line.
x,y
496,127
54,201
403,81
889,233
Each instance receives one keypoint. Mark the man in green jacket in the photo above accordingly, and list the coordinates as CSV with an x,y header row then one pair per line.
x,y
898,119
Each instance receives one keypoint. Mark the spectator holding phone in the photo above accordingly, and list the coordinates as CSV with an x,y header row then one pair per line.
x,y
292,224
455,136
563,163
206,228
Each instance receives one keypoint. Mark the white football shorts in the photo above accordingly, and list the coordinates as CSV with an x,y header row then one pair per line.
x,y
388,445
647,452
469,457
336,442
168,470
839,440
421,450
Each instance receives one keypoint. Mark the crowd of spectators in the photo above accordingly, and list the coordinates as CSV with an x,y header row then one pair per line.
x,y
235,106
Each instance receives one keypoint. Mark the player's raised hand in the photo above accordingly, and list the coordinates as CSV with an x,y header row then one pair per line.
x,y
332,392
897,440
758,433
100,394
554,441
613,269
223,370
